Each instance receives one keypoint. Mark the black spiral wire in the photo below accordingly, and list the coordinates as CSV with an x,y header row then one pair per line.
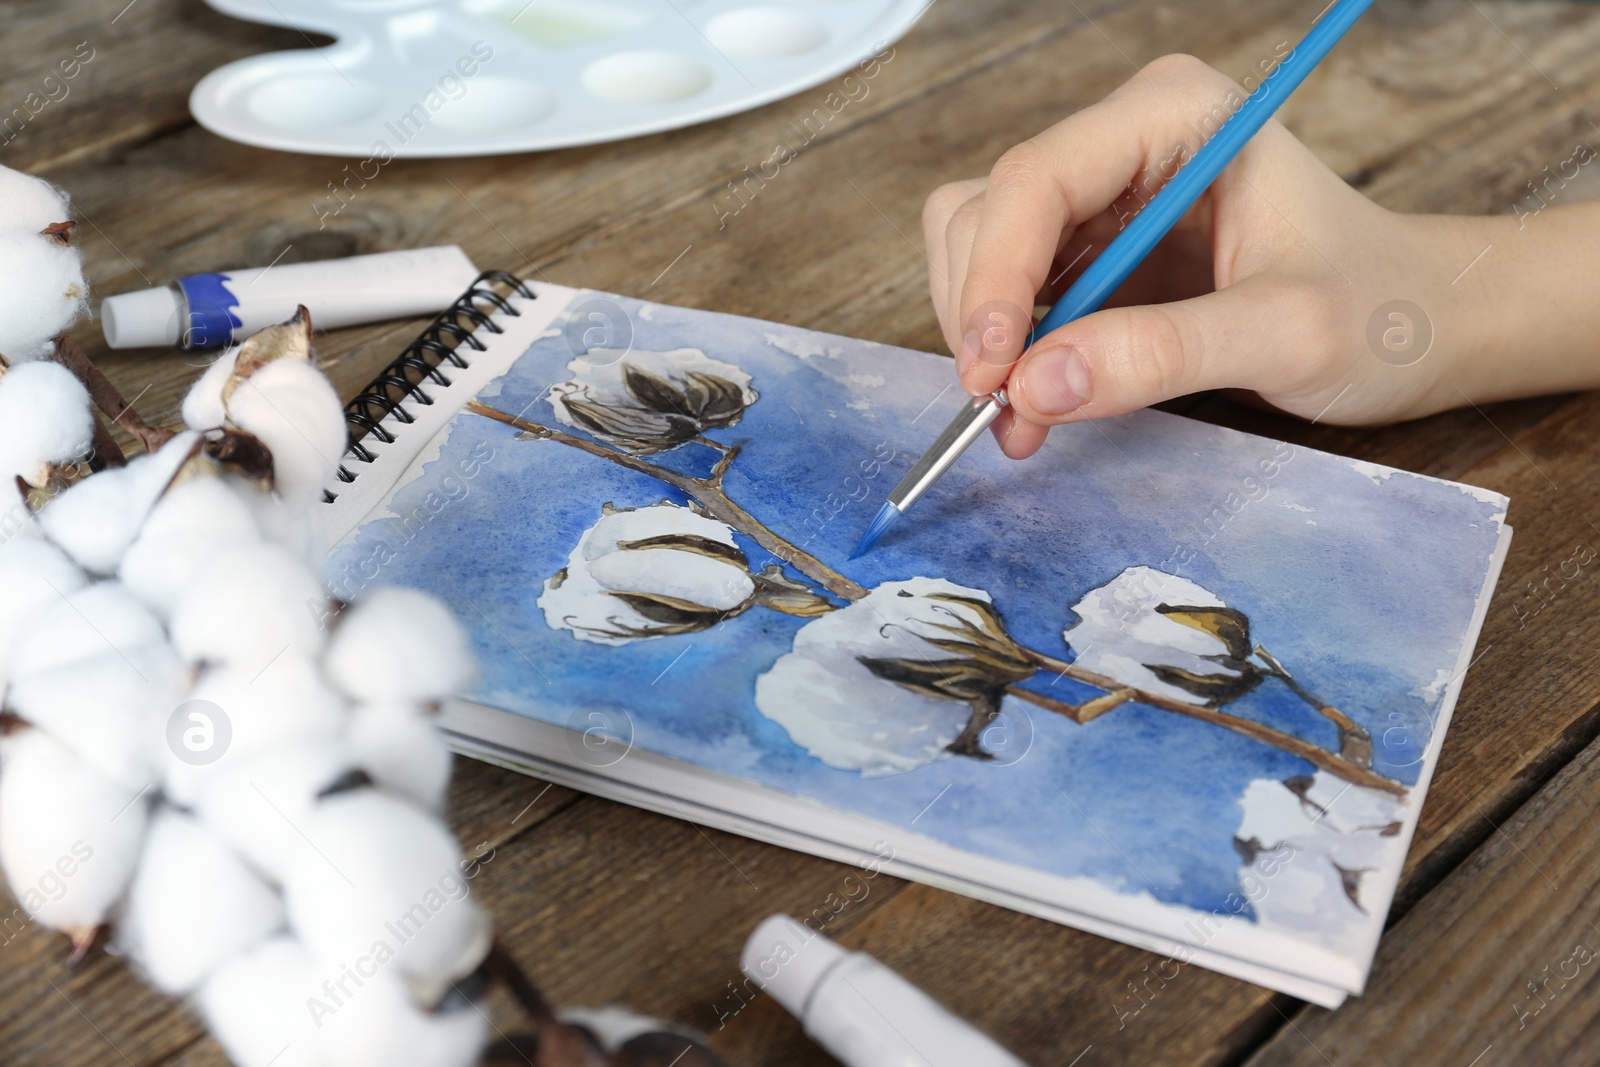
x,y
424,360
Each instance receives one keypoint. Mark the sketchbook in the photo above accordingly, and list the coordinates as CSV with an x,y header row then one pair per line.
x,y
1166,682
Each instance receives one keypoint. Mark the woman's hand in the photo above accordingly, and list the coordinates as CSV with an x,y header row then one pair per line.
x,y
1282,280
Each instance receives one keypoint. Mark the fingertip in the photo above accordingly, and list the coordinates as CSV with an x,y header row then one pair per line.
x,y
1018,438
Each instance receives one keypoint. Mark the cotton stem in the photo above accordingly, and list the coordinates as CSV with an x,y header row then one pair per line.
x,y
707,492
107,398
1314,754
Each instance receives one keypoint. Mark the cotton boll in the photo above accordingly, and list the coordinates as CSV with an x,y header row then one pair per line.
x,y
202,405
249,606
111,709
284,703
255,1006
259,807
96,519
33,575
298,525
42,292
45,412
293,410
402,750
188,528
399,645
382,865
69,837
379,1025
88,622
30,204
193,904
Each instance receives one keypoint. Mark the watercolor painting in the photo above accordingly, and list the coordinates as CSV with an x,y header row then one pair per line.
x,y
1180,661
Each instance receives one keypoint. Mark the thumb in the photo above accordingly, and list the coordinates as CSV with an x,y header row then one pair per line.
x,y
1122,359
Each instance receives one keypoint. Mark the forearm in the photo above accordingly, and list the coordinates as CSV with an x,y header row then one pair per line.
x,y
1522,303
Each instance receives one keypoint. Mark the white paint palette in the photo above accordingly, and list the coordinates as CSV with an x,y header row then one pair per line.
x,y
477,77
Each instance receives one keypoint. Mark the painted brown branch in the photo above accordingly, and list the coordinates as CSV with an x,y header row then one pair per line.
x,y
1355,742
106,397
1316,755
707,492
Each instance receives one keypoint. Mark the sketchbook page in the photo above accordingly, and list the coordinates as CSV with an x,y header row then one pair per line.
x,y
1194,669
581,760
403,436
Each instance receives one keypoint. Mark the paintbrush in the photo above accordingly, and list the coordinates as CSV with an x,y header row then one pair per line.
x,y
1102,278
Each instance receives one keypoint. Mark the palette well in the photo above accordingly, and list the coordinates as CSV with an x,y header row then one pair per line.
x,y
424,78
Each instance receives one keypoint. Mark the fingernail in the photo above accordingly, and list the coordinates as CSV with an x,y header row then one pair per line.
x,y
1057,382
969,352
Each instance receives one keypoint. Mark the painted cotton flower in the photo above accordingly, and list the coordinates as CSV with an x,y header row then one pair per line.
x,y
1309,844
648,572
647,402
909,674
1154,631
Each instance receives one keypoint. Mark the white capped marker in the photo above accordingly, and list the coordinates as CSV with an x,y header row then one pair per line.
x,y
212,310
862,1012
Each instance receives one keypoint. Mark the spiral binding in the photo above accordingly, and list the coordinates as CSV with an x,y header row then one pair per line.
x,y
440,343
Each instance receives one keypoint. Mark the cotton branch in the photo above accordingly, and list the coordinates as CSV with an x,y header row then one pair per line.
x,y
707,492
1314,754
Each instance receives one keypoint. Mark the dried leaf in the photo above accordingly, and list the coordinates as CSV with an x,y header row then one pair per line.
x,y
1228,625
962,679
777,591
700,546
286,340
59,232
1214,689
654,392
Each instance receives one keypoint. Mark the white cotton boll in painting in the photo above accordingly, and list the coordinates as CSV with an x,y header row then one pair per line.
x,y
647,402
398,880
42,292
69,836
33,575
259,806
399,645
292,409
648,572
110,708
836,695
202,404
402,750
47,420
188,528
192,905
30,204
91,621
1310,844
248,607
286,702
1136,630
255,1006
379,1025
95,520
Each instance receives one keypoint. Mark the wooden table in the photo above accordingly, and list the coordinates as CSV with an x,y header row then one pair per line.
x,y
1443,105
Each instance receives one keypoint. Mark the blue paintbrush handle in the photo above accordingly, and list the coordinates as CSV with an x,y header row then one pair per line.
x,y
1096,284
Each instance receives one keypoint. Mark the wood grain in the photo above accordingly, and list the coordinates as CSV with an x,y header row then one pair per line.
x,y
1430,106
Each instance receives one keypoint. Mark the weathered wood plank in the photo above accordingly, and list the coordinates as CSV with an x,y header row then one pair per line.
x,y
83,77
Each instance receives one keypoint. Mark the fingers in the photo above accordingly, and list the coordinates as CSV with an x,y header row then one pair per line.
x,y
1063,178
937,212
1264,334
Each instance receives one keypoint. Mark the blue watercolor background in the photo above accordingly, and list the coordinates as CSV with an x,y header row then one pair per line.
x,y
1362,582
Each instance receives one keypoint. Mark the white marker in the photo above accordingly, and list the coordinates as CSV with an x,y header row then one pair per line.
x,y
211,310
859,1010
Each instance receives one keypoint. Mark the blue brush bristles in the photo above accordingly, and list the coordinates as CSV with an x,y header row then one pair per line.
x,y
884,519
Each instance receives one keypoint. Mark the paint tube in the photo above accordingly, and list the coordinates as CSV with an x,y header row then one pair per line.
x,y
212,310
862,1012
